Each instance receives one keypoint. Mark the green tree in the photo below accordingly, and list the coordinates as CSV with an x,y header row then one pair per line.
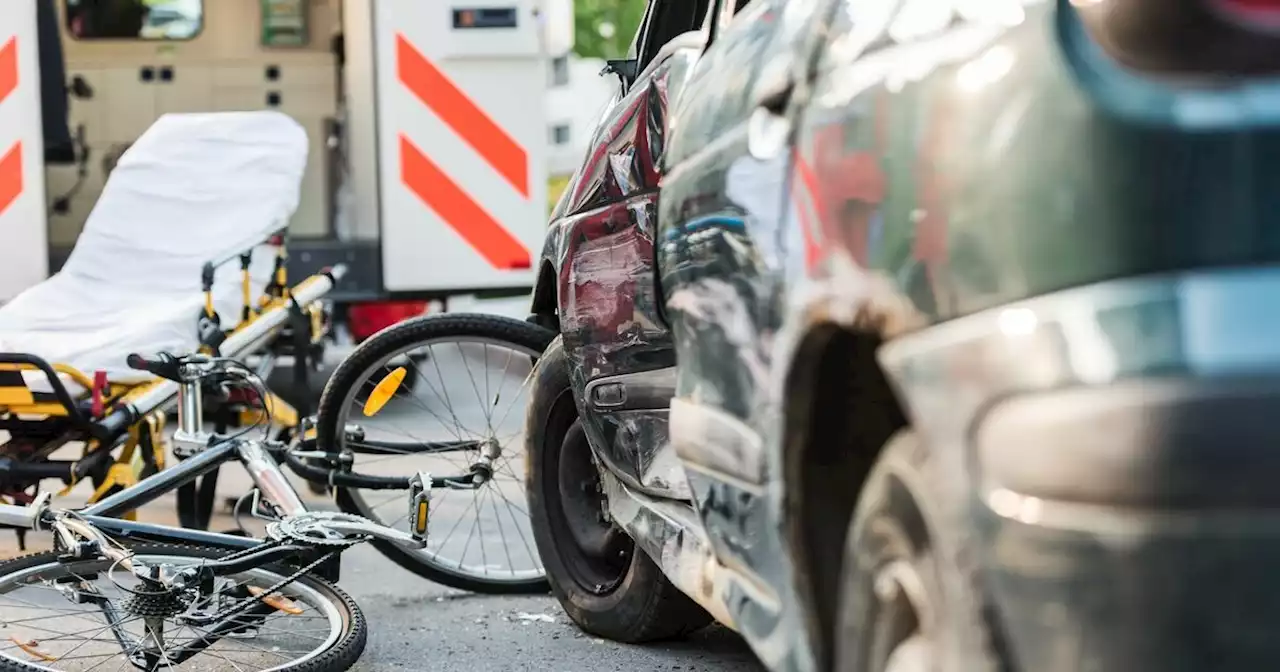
x,y
604,28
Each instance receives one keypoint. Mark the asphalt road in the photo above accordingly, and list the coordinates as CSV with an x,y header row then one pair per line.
x,y
419,625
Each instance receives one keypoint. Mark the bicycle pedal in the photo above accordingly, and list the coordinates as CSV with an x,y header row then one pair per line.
x,y
419,505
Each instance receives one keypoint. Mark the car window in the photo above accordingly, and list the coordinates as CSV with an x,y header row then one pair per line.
x,y
134,19
668,19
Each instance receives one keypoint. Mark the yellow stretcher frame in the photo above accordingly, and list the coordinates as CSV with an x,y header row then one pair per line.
x,y
42,422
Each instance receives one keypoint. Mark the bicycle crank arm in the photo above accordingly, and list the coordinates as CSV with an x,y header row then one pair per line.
x,y
376,531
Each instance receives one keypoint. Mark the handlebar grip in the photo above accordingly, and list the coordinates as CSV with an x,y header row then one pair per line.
x,y
163,365
136,361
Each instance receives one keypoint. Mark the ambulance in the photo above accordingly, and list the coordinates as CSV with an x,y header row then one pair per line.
x,y
427,167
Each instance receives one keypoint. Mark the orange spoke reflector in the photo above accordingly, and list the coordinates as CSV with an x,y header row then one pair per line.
x,y
276,601
383,392
32,648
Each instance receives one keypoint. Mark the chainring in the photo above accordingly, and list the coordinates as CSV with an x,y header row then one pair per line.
x,y
312,528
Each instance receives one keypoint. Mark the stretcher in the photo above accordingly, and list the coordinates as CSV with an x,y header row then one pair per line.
x,y
184,252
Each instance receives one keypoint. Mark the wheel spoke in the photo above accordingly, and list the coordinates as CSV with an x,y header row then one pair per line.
x,y
482,416
162,635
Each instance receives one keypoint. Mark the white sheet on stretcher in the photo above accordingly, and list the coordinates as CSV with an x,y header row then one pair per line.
x,y
194,188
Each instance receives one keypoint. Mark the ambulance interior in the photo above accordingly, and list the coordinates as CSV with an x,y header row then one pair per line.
x,y
127,62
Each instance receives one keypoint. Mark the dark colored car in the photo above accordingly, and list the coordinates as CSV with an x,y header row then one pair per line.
x,y
924,335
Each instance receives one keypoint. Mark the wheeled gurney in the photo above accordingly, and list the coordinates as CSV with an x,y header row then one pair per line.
x,y
184,252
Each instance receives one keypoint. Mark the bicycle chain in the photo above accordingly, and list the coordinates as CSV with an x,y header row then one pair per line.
x,y
251,550
241,607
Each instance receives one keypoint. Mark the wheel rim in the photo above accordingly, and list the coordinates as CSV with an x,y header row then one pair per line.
x,y
482,534
595,552
914,654
79,638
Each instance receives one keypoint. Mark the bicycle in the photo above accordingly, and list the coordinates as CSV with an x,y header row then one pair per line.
x,y
218,589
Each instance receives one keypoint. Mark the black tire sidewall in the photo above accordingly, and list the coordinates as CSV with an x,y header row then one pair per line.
x,y
380,346
627,612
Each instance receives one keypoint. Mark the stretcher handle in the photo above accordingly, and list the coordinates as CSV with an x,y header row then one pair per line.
x,y
163,365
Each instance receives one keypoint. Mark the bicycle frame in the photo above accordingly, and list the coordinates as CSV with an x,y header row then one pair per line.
x,y
266,475
91,533
72,530
204,453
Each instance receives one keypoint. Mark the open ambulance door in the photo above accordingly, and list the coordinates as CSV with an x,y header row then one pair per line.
x,y
445,141
23,234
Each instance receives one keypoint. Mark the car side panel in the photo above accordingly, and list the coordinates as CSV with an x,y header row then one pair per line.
x,y
607,297
723,251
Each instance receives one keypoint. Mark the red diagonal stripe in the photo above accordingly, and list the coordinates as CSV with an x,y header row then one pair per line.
x,y
8,68
459,211
10,177
808,185
476,128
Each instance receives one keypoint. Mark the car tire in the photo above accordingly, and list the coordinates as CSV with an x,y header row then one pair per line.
x,y
910,595
627,600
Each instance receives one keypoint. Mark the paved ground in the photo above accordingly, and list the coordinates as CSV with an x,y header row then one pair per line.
x,y
422,626
419,625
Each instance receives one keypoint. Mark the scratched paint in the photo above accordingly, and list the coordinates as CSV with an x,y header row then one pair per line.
x,y
600,248
958,167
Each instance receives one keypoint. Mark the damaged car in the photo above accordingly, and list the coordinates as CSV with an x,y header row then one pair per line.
x,y
921,335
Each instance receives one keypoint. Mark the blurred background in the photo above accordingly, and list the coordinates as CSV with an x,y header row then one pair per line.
x,y
603,29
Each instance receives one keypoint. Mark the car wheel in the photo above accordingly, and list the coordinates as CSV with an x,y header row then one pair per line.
x,y
608,586
907,600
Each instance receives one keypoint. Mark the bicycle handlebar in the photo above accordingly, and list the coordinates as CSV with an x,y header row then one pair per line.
x,y
169,367
163,365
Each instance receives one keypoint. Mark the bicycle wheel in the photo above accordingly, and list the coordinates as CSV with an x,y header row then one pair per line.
x,y
98,618
478,539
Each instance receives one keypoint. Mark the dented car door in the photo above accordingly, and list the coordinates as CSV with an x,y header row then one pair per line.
x,y
601,248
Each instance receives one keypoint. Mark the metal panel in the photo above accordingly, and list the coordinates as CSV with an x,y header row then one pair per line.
x,y
461,148
360,92
22,206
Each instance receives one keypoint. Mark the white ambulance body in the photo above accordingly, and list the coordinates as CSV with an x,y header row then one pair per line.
x,y
427,170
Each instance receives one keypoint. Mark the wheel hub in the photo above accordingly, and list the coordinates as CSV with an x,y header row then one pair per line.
x,y
163,604
585,506
602,551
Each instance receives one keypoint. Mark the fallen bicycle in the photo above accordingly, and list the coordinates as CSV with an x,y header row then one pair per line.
x,y
154,597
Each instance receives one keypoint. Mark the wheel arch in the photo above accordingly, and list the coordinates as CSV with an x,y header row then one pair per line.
x,y
840,413
546,306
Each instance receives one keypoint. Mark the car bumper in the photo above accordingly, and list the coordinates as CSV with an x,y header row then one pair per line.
x,y
1120,445
1135,526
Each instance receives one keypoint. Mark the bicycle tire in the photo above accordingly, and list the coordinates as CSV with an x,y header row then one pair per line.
x,y
386,343
341,656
